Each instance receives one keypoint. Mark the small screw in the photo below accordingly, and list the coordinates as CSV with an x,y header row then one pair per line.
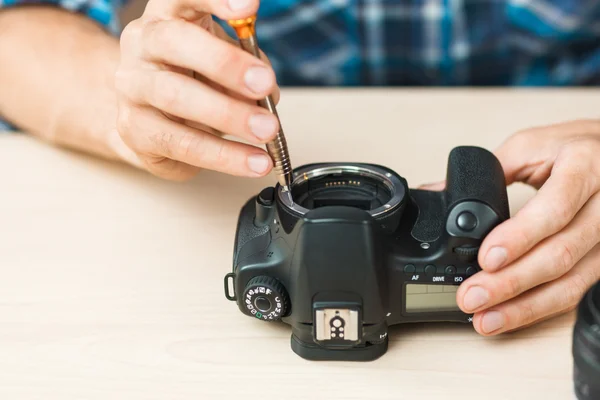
x,y
425,246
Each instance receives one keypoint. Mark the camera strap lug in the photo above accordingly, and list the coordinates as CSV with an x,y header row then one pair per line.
x,y
230,277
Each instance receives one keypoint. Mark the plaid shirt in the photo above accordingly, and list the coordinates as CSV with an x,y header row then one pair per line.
x,y
416,42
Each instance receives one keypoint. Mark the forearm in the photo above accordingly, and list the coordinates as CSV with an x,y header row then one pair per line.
x,y
56,78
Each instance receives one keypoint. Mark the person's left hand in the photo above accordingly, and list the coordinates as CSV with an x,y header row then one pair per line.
x,y
541,261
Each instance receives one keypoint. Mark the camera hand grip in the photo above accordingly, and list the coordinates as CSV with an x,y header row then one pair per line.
x,y
476,174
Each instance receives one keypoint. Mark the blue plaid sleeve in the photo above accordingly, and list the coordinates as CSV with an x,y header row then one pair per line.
x,y
432,42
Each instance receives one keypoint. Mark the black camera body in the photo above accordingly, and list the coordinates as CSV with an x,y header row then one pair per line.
x,y
586,346
358,251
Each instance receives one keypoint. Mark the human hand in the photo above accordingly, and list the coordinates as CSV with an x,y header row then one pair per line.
x,y
540,262
183,84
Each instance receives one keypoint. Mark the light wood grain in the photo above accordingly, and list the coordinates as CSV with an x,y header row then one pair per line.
x,y
111,281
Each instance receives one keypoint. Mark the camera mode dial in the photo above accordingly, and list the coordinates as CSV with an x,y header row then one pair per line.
x,y
265,298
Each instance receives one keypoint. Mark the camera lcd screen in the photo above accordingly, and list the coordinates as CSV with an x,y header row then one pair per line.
x,y
430,298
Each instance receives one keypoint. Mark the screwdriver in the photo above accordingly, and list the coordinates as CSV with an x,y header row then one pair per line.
x,y
277,148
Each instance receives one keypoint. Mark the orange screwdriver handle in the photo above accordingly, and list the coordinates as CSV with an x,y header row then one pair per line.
x,y
244,28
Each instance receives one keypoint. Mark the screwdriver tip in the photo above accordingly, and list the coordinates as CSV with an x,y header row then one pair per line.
x,y
289,194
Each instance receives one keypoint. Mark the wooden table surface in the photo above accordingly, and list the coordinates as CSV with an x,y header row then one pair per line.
x,y
111,280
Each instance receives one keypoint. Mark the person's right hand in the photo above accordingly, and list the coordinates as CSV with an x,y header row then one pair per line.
x,y
183,83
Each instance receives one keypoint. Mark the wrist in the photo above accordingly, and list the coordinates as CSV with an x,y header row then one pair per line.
x,y
85,112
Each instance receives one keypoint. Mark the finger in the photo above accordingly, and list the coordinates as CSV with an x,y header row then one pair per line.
x,y
527,156
553,258
193,9
275,92
437,186
215,86
556,297
168,169
572,182
523,160
540,320
187,98
175,42
157,138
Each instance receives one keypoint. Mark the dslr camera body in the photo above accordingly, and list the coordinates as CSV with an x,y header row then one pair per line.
x,y
358,251
586,346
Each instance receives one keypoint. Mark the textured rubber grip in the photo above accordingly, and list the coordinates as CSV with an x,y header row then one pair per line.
x,y
476,174
246,230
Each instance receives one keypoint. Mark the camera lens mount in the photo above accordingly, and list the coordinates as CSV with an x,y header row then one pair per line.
x,y
375,189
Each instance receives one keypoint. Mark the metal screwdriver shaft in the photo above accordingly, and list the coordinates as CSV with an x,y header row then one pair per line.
x,y
277,148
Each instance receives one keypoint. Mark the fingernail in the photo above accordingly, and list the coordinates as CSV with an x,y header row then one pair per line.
x,y
492,321
263,126
475,298
258,79
237,5
258,163
495,258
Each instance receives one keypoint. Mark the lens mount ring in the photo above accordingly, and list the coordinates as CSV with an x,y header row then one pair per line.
x,y
383,176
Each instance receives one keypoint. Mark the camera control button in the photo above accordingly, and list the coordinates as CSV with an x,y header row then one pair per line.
x,y
409,269
466,221
470,271
267,196
450,270
430,270
265,298
262,304
467,253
